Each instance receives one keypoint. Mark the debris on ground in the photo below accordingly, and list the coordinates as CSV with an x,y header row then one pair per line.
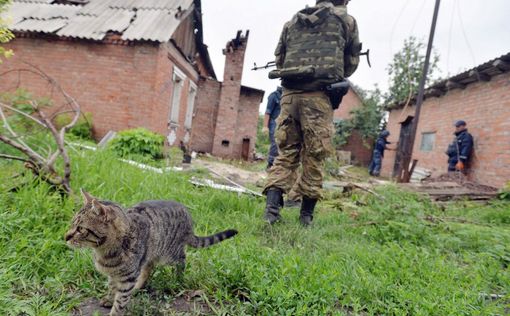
x,y
462,180
453,187
238,175
211,184
420,174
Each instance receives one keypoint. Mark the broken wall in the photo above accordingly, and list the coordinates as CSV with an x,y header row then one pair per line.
x,y
485,106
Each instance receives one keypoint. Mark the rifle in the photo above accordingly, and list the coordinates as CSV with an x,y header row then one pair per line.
x,y
272,64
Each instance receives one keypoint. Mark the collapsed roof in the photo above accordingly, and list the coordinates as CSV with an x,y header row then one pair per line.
x,y
134,20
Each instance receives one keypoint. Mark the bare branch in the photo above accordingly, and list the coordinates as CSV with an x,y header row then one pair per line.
x,y
21,113
14,158
45,168
27,151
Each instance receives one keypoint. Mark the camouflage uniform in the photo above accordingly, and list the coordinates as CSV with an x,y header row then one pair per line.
x,y
305,125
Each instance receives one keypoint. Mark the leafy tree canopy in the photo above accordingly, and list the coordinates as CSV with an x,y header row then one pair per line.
x,y
405,71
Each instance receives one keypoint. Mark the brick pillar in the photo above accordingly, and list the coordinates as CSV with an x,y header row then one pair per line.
x,y
226,123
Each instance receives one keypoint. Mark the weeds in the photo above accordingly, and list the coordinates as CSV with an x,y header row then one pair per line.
x,y
400,256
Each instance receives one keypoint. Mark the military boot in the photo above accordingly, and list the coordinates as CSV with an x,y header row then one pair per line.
x,y
274,203
307,209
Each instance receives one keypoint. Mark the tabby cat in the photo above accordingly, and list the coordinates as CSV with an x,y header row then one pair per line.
x,y
128,243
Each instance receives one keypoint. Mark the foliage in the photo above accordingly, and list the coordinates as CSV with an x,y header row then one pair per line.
x,y
366,119
505,192
375,257
263,142
138,142
5,34
20,99
82,129
406,69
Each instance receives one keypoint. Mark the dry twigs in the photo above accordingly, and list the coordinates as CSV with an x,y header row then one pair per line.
x,y
42,163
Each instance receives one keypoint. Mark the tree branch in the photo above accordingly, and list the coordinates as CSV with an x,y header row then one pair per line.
x,y
15,158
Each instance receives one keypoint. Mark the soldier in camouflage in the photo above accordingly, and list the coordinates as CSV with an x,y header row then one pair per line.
x,y
305,125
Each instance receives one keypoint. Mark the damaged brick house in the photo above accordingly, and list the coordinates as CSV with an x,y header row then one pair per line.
x,y
360,150
139,63
481,97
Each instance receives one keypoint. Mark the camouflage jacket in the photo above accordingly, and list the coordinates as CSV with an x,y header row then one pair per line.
x,y
353,45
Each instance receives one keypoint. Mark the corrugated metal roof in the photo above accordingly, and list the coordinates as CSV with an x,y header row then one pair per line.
x,y
136,20
33,1
152,25
96,27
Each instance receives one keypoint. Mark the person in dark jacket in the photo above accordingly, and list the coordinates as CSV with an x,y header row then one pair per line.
x,y
273,110
380,146
460,150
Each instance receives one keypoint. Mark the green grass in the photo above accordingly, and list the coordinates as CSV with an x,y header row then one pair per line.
x,y
400,256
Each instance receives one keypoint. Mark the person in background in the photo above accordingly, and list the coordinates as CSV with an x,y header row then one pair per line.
x,y
380,146
273,110
460,150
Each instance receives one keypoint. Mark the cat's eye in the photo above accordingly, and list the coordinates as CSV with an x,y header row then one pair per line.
x,y
81,230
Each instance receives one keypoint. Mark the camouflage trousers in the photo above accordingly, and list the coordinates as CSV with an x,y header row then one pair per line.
x,y
304,137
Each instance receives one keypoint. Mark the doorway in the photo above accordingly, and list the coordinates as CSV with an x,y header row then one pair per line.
x,y
245,152
404,145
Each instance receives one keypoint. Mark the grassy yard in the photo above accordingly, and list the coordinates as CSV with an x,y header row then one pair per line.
x,y
363,256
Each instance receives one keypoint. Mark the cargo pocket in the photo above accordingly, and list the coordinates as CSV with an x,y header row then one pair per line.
x,y
282,132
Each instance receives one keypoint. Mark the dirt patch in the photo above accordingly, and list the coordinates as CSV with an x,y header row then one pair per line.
x,y
189,303
89,308
190,306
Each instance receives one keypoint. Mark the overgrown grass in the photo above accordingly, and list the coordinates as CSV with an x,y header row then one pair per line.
x,y
397,256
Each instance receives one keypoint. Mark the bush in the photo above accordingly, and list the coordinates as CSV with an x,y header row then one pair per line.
x,y
82,129
20,100
138,142
504,194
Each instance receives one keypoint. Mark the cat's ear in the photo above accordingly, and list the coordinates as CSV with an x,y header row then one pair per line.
x,y
87,198
104,212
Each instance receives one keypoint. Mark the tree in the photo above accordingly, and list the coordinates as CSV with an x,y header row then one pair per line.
x,y
366,119
5,34
405,71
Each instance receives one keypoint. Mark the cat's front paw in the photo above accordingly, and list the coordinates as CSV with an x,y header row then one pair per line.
x,y
106,302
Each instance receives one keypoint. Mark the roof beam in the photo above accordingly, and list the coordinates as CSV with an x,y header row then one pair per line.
x,y
502,65
479,76
434,93
450,84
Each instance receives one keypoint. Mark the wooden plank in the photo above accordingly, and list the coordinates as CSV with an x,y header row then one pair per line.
x,y
454,85
480,76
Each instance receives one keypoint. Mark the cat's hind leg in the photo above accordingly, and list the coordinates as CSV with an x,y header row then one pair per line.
x,y
180,265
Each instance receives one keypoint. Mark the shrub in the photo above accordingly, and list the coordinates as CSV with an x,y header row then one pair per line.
x,y
20,100
504,194
138,142
82,129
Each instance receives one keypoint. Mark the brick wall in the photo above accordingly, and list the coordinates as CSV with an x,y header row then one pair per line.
x,y
226,125
360,153
485,106
350,101
247,120
206,111
109,81
361,150
122,86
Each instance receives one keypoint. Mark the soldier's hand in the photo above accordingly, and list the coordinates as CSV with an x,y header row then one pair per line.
x,y
460,166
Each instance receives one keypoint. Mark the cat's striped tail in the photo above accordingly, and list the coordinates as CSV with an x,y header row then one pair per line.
x,y
202,242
